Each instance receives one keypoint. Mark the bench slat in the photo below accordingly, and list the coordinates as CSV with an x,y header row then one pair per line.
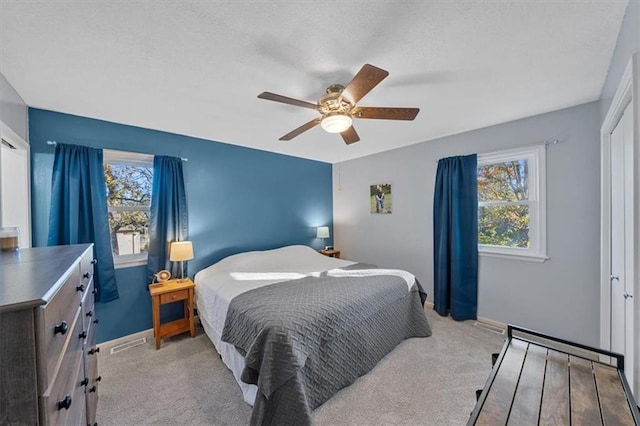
x,y
526,403
585,408
554,409
498,403
613,402
566,389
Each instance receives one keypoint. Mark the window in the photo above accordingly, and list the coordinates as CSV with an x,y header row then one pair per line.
x,y
128,177
511,204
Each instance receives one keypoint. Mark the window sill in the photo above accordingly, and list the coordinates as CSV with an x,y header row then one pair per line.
x,y
129,263
523,257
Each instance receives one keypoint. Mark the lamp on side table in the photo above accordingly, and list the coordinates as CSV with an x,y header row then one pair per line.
x,y
322,232
179,252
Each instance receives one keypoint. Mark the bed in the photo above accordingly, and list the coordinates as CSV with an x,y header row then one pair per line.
x,y
295,326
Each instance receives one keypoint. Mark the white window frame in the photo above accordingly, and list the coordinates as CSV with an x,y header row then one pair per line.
x,y
536,158
131,159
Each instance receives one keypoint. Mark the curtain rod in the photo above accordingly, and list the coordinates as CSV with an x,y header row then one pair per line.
x,y
54,143
545,143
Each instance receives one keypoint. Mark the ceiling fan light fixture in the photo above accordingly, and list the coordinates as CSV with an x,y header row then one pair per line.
x,y
336,123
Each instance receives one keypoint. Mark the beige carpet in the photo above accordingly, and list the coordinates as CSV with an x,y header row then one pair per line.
x,y
424,381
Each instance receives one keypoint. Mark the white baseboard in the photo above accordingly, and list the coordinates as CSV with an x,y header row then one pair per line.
x,y
483,320
106,346
492,323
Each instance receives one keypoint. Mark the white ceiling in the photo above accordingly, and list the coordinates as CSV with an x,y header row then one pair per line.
x,y
196,67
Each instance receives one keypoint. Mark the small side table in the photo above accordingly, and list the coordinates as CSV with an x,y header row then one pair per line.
x,y
168,292
331,253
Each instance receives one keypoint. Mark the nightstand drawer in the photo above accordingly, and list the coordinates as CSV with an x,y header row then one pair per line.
x,y
174,296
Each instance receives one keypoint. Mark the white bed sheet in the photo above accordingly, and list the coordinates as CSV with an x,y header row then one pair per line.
x,y
221,282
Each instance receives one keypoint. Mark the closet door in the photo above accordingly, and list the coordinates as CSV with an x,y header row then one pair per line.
x,y
622,224
620,232
14,185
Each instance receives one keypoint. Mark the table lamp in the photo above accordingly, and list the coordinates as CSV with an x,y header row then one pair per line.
x,y
179,252
322,232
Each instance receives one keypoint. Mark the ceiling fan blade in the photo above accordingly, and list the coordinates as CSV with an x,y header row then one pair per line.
x,y
301,129
367,78
350,136
286,100
383,113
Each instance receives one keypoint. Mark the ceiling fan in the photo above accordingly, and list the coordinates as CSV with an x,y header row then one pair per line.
x,y
338,106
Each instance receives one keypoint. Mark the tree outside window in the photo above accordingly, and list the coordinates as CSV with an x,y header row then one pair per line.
x,y
503,196
129,178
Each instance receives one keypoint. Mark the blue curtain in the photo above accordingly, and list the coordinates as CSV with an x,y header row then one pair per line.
x,y
79,210
169,219
455,231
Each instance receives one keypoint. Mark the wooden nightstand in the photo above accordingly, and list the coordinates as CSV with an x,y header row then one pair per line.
x,y
331,253
168,292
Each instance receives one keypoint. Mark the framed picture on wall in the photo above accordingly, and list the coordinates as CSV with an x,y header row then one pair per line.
x,y
380,198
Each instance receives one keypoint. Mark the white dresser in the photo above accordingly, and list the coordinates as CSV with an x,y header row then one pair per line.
x,y
48,361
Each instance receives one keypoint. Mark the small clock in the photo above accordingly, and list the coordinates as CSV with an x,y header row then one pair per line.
x,y
163,276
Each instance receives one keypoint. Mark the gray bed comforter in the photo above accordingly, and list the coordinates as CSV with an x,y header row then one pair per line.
x,y
303,340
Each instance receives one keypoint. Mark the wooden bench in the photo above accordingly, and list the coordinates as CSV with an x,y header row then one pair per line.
x,y
539,379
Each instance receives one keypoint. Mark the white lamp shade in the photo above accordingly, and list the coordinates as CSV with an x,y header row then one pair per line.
x,y
322,232
181,250
336,123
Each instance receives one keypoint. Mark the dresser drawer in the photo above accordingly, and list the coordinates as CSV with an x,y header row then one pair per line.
x,y
63,402
76,413
88,306
90,348
56,319
86,267
174,296
91,373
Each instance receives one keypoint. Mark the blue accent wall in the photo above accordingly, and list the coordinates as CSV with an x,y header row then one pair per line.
x,y
239,199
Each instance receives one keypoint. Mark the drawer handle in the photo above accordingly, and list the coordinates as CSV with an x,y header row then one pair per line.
x,y
64,403
93,389
99,379
94,261
80,287
84,382
86,275
90,313
62,328
94,351
83,335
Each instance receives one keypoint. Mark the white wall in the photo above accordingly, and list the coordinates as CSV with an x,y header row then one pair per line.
x,y
628,42
13,110
560,296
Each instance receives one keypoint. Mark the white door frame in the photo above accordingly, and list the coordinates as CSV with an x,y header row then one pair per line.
x,y
628,92
14,139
